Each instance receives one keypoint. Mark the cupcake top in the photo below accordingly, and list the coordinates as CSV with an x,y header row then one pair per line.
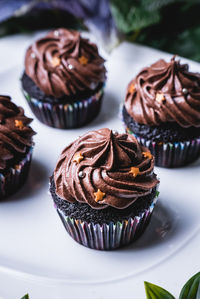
x,y
103,168
165,92
15,133
64,64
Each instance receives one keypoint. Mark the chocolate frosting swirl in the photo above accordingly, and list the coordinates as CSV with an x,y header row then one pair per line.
x,y
179,87
15,133
63,63
106,164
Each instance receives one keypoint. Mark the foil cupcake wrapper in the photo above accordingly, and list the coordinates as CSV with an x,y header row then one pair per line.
x,y
107,236
15,176
169,154
66,116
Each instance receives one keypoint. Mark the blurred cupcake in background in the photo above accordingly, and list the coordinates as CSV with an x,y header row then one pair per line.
x,y
64,79
16,145
162,110
104,189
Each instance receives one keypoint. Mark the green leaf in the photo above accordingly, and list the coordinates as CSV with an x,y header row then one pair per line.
x,y
147,22
153,5
155,292
25,297
130,16
157,193
191,289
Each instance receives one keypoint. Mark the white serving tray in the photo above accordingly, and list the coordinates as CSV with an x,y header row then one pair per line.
x,y
36,254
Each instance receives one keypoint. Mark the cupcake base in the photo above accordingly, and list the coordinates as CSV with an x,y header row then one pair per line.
x,y
15,177
165,132
63,113
66,116
105,229
171,155
107,236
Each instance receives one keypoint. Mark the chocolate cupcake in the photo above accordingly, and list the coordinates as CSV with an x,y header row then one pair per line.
x,y
162,110
104,189
16,146
64,79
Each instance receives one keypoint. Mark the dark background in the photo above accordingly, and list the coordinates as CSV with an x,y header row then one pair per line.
x,y
169,25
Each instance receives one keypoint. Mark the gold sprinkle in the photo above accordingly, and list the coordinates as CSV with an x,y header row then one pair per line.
x,y
77,222
55,61
99,195
19,124
17,167
135,171
126,222
160,98
78,158
131,88
147,155
83,60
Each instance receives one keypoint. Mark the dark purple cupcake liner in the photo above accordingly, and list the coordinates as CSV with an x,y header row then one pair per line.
x,y
171,154
66,116
15,176
107,236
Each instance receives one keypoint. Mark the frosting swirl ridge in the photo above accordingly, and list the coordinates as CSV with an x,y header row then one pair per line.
x,y
165,92
15,132
64,64
103,169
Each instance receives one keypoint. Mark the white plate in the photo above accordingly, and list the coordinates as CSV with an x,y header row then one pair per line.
x,y
37,255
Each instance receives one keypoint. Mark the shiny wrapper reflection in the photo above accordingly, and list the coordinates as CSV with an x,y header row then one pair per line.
x,y
107,236
15,176
66,116
171,154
